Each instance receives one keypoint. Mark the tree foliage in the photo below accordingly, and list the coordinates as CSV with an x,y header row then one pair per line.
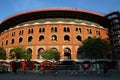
x,y
28,56
19,53
95,48
2,53
51,55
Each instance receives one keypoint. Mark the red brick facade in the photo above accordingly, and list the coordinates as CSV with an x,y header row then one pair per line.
x,y
58,35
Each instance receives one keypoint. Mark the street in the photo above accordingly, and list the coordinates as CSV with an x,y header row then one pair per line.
x,y
113,75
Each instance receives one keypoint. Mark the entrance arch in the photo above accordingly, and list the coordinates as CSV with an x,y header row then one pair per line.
x,y
79,54
67,53
29,51
54,49
40,51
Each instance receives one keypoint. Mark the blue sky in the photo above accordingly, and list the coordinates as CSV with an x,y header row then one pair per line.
x,y
10,7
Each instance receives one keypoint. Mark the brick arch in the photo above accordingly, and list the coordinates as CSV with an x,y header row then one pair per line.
x,y
67,53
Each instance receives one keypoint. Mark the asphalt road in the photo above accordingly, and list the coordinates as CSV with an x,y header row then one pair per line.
x,y
62,75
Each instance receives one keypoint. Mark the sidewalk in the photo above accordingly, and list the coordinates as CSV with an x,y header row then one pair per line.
x,y
113,75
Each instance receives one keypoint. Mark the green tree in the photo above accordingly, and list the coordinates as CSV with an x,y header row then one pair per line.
x,y
51,55
12,54
2,53
28,55
19,53
95,48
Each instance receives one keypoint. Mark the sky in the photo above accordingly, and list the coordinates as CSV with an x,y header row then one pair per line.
x,y
11,7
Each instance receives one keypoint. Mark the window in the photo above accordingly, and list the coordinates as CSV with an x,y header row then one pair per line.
x,y
54,29
6,42
79,38
66,29
78,30
41,29
12,41
20,39
54,38
21,32
66,37
98,32
41,38
30,38
30,31
89,31
13,34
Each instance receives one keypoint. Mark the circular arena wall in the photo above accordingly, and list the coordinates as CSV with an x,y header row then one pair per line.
x,y
60,29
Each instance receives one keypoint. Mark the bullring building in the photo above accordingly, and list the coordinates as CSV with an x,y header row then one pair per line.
x,y
61,29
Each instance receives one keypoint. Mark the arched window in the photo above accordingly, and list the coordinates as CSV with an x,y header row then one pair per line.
x,y
68,29
31,30
65,29
41,29
21,32
41,38
20,39
66,37
97,32
54,29
13,33
79,38
30,38
54,38
78,30
12,41
6,42
89,31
